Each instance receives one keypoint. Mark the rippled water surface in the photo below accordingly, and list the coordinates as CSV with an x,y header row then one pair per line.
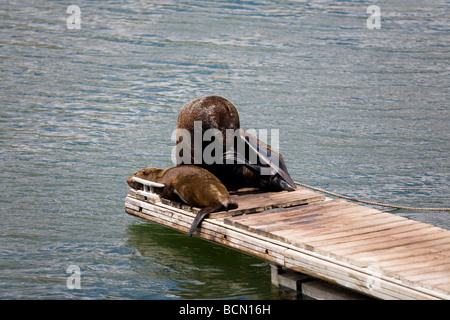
x,y
360,112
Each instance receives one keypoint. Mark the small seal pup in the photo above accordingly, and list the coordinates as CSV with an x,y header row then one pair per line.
x,y
192,185
235,170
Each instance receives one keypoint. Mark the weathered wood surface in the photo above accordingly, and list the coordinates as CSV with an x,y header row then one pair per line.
x,y
375,253
251,201
416,253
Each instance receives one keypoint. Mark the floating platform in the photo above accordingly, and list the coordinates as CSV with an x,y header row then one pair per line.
x,y
368,251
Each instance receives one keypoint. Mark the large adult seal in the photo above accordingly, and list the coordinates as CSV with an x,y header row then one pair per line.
x,y
245,160
189,184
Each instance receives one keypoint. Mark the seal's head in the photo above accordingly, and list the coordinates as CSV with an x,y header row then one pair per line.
x,y
198,116
147,174
213,112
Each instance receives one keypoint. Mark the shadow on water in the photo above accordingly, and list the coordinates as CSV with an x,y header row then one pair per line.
x,y
179,266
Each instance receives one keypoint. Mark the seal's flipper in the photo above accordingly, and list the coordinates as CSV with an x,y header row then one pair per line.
x,y
267,157
202,215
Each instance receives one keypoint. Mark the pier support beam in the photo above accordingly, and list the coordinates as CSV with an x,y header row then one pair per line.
x,y
311,287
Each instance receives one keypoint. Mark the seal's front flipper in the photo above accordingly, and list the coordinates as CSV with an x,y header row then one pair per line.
x,y
267,157
202,215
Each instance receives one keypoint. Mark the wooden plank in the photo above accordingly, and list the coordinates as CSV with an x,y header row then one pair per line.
x,y
374,236
287,219
412,263
332,232
257,201
342,228
441,275
294,210
307,214
430,269
326,215
364,220
441,284
389,240
132,206
395,252
401,253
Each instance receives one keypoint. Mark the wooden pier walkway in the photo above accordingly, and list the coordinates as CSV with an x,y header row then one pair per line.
x,y
375,253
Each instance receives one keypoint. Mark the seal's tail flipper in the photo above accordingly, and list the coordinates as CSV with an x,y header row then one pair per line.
x,y
202,215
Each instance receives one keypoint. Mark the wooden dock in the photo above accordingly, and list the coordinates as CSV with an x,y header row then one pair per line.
x,y
375,253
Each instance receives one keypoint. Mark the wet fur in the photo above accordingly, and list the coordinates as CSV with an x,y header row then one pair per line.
x,y
192,185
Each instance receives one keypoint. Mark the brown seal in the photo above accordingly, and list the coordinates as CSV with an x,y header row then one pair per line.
x,y
189,184
235,171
